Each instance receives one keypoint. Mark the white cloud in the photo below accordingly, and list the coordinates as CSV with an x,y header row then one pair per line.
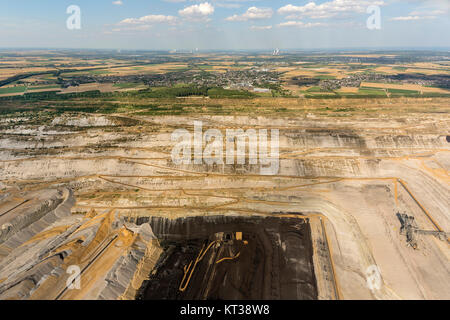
x,y
427,13
252,13
197,11
150,19
410,18
261,27
328,9
300,24
118,3
420,15
406,18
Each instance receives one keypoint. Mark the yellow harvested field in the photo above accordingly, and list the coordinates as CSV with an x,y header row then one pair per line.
x,y
294,89
290,72
426,65
9,72
338,73
322,93
349,89
220,69
103,87
426,71
156,68
298,73
415,87
387,70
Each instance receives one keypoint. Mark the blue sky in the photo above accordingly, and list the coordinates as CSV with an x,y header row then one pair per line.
x,y
224,24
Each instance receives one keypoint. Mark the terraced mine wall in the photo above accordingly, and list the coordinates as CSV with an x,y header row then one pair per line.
x,y
23,226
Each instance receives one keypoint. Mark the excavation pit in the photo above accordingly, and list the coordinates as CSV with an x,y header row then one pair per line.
x,y
230,258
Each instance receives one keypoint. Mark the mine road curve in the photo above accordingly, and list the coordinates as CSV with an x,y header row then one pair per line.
x,y
183,286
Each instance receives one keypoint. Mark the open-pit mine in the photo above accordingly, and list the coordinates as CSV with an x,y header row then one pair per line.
x,y
94,203
93,207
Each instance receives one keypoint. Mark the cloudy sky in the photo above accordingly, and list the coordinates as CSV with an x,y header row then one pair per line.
x,y
225,24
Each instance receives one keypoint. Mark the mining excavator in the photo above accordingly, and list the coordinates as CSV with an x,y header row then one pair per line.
x,y
409,228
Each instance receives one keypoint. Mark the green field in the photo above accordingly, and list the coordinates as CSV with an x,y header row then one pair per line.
x,y
100,72
316,89
402,92
371,91
325,77
44,87
18,89
127,85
